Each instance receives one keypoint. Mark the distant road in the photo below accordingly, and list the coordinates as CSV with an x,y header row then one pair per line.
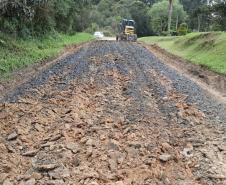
x,y
108,38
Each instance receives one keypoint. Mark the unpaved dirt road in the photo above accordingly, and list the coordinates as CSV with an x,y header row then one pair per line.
x,y
112,113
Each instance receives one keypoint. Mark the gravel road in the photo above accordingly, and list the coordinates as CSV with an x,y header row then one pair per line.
x,y
112,113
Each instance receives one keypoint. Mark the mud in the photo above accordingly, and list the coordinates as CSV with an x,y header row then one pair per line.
x,y
112,113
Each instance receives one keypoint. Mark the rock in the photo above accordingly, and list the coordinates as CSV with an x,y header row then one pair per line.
x,y
135,145
90,142
119,183
12,136
112,145
76,162
102,137
166,147
29,182
113,165
3,176
7,182
56,137
89,152
59,173
221,148
93,183
91,174
36,176
118,156
187,152
45,167
54,182
23,177
38,127
73,147
5,168
2,88
83,140
149,161
165,157
30,153
165,98
132,152
48,144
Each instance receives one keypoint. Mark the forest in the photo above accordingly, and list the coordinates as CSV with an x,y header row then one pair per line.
x,y
34,18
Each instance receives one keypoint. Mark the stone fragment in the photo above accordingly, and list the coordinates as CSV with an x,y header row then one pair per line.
x,y
166,147
119,183
55,182
29,182
30,153
165,157
112,145
135,145
113,165
221,148
12,136
187,152
89,152
165,98
132,152
59,173
10,148
45,167
7,182
56,137
76,162
2,87
93,183
23,177
91,174
90,142
36,176
73,147
3,176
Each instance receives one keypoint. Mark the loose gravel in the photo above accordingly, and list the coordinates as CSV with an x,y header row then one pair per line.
x,y
112,113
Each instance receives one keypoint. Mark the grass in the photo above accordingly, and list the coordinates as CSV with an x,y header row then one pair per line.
x,y
205,49
19,53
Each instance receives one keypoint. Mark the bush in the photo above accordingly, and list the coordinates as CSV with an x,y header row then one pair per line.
x,y
165,33
108,33
92,28
183,29
174,33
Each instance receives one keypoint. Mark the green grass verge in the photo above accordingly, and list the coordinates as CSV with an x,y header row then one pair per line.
x,y
205,49
19,53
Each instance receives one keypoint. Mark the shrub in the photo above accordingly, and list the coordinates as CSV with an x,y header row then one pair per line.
x,y
174,33
92,28
183,29
165,33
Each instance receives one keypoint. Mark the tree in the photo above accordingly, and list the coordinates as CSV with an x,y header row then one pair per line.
x,y
219,16
170,15
159,16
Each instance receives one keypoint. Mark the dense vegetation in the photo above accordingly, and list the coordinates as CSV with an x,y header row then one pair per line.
x,y
205,49
37,17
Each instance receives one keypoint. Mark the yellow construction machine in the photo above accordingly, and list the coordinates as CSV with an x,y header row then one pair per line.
x,y
127,31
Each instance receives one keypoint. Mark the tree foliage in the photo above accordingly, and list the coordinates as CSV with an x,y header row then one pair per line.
x,y
37,17
159,16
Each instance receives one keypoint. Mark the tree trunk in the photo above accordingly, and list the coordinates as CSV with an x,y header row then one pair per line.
x,y
199,23
177,22
170,14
